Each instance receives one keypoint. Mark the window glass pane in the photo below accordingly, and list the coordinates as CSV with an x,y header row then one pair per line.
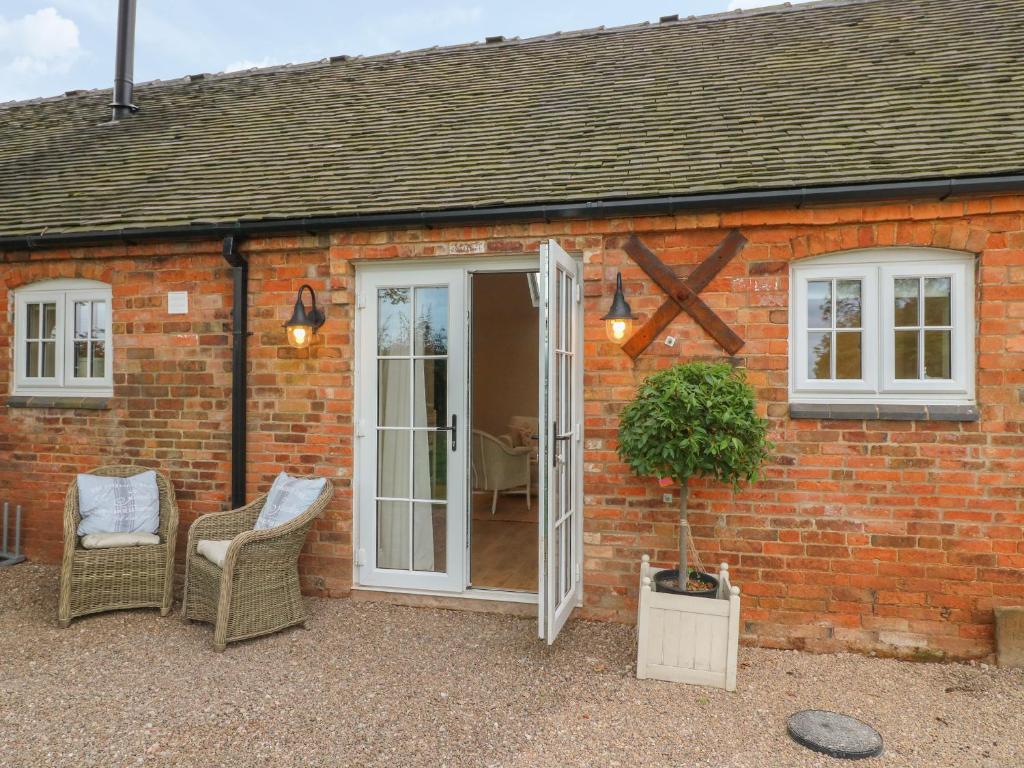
x,y
429,537
937,291
393,532
937,346
848,355
99,319
83,313
819,355
906,363
49,321
848,304
431,321
393,457
906,303
819,304
33,310
393,395
32,358
431,401
430,473
99,359
81,358
393,321
49,359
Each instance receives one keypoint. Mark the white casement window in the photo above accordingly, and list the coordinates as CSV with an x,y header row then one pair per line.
x,y
883,326
62,339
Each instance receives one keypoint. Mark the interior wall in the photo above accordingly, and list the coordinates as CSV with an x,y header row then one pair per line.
x,y
504,350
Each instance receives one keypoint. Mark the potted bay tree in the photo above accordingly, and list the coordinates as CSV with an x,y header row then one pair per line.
x,y
693,420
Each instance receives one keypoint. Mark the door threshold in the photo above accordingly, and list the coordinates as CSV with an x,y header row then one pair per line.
x,y
483,600
473,593
504,595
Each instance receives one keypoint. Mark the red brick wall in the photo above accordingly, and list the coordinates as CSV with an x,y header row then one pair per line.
x,y
897,537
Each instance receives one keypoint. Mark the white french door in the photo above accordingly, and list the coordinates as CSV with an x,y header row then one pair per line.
x,y
560,464
410,453
411,480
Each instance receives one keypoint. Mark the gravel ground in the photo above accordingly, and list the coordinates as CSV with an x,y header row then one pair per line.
x,y
379,685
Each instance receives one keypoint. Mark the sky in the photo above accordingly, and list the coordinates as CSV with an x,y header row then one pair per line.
x,y
53,46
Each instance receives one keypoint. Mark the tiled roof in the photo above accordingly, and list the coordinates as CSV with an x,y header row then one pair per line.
x,y
835,92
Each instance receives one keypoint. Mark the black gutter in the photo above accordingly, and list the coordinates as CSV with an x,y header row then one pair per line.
x,y
938,189
239,362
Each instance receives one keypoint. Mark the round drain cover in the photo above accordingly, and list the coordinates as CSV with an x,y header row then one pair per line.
x,y
834,734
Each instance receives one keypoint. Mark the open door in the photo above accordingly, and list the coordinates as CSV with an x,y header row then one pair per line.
x,y
560,465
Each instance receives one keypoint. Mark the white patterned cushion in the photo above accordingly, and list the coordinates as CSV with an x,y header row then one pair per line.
x,y
108,540
214,550
289,497
118,504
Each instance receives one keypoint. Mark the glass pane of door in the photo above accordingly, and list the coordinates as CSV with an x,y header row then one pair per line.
x,y
412,402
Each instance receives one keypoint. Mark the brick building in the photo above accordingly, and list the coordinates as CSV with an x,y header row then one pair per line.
x,y
445,205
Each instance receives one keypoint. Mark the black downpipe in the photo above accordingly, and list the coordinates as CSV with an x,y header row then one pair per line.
x,y
239,363
124,62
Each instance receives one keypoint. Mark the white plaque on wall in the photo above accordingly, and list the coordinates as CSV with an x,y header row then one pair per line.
x,y
177,302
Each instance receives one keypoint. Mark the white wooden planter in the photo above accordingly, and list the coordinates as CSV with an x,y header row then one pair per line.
x,y
688,639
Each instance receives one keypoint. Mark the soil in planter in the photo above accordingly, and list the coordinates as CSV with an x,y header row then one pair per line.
x,y
697,585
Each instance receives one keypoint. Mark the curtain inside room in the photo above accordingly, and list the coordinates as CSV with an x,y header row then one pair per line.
x,y
404,460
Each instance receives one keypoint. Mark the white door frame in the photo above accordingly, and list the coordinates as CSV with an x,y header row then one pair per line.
x,y
469,266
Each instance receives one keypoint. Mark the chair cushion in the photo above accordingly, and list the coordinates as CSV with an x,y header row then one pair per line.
x,y
109,540
118,504
213,550
289,497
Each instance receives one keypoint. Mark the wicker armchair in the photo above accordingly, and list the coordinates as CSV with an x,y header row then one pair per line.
x,y
257,590
95,580
497,466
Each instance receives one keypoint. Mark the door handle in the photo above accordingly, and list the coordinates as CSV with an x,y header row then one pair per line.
x,y
452,429
555,437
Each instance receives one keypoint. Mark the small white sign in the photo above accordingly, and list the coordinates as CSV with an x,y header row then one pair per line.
x,y
477,246
177,302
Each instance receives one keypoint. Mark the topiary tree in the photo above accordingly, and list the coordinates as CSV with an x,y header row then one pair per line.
x,y
694,420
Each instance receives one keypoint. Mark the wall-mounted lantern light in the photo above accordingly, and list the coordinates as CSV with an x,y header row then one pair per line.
x,y
618,323
304,323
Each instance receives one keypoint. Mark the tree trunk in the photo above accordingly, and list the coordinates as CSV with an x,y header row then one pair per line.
x,y
684,531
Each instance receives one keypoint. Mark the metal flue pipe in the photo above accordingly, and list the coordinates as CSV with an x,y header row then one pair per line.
x,y
124,63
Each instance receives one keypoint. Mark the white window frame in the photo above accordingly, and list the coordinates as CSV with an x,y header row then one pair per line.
x,y
877,268
63,293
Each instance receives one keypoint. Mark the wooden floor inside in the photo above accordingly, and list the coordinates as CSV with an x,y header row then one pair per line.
x,y
503,551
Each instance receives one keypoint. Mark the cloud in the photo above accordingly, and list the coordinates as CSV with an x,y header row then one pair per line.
x,y
38,43
238,66
735,5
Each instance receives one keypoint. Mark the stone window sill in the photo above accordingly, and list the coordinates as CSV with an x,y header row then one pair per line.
x,y
75,403
883,412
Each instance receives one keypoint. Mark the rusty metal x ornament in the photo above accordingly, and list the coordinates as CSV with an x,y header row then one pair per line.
x,y
682,294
